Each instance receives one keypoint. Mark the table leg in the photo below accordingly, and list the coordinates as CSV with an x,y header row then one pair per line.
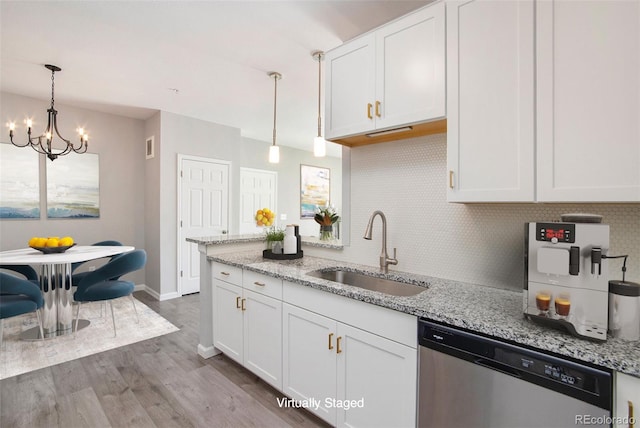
x,y
49,310
57,312
65,298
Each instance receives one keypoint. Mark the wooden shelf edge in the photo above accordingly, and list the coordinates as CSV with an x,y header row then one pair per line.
x,y
417,130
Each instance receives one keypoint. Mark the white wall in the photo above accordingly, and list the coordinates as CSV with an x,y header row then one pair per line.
x,y
119,142
476,243
189,136
254,155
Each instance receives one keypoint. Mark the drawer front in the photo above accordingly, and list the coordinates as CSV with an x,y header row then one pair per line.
x,y
263,284
226,273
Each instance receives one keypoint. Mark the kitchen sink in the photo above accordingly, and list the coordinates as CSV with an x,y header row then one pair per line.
x,y
368,282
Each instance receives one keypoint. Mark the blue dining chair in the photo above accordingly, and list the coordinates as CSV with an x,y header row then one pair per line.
x,y
76,278
18,296
105,284
25,270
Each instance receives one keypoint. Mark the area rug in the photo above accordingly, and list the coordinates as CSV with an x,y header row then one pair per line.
x,y
18,356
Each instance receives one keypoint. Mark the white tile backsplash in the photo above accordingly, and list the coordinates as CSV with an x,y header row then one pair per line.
x,y
477,243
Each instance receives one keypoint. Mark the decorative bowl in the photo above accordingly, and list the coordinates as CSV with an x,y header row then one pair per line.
x,y
53,250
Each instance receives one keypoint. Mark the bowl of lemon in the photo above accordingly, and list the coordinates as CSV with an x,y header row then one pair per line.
x,y
51,244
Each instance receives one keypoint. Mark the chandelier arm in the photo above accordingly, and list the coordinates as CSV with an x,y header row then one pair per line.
x,y
55,126
28,143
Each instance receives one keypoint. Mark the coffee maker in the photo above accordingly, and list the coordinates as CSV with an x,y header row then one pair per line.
x,y
566,283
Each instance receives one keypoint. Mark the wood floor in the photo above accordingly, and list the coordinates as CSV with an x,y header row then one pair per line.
x,y
160,382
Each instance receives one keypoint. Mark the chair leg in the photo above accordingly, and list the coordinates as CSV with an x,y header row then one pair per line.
x,y
133,302
40,324
113,318
77,317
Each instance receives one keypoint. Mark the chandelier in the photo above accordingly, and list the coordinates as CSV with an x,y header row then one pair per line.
x,y
42,143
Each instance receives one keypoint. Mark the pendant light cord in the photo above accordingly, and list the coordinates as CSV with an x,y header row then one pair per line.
x,y
319,92
275,97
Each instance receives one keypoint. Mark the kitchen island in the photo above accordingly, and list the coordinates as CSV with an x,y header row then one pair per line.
x,y
491,311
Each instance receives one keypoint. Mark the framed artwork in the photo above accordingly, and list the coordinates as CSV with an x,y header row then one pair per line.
x,y
150,147
315,189
19,182
73,186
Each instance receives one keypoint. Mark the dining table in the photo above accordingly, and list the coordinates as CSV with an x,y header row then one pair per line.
x,y
56,283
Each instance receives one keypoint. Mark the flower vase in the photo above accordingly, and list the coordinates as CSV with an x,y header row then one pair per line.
x,y
326,233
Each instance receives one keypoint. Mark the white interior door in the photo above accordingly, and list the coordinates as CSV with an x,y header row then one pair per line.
x,y
258,189
204,211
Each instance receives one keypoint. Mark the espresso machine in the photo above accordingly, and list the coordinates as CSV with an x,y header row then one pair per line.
x,y
566,282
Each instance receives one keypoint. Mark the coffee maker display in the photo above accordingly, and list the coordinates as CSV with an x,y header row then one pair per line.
x,y
566,281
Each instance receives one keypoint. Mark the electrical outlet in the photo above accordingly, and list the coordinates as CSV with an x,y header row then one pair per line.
x,y
283,216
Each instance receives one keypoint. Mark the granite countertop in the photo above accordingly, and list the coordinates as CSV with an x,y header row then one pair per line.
x,y
259,237
492,311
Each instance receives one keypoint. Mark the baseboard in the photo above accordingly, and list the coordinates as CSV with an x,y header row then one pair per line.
x,y
207,351
153,293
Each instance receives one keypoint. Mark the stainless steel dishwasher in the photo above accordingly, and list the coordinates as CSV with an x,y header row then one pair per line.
x,y
468,380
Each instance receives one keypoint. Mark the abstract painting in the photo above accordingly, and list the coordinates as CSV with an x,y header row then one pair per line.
x,y
73,186
315,187
19,182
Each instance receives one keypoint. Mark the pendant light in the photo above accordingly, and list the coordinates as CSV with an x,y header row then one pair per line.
x,y
274,150
319,143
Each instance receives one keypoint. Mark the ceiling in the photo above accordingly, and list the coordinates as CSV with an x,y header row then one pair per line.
x,y
203,59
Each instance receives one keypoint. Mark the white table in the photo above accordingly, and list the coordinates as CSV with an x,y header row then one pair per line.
x,y
55,283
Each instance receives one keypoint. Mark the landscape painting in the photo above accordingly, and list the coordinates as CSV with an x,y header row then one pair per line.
x,y
73,186
315,186
20,182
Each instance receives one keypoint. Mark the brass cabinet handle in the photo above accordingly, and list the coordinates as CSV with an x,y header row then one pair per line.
x,y
330,343
450,179
378,108
261,284
632,421
338,350
243,307
238,302
369,106
225,273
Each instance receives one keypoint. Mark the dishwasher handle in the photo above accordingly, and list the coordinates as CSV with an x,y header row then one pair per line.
x,y
495,365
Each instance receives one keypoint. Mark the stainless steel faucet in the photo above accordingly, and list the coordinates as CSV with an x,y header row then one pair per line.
x,y
385,261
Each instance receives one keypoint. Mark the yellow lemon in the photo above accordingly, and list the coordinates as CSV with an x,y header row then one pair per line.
x,y
66,241
52,242
33,242
41,242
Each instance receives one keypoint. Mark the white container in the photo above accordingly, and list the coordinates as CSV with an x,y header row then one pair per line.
x,y
624,310
290,243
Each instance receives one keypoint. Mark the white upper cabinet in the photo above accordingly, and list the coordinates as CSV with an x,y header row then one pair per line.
x,y
588,95
387,78
490,96
543,106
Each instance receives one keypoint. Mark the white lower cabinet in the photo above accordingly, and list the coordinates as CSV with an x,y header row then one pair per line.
x,y
349,362
627,401
349,377
247,327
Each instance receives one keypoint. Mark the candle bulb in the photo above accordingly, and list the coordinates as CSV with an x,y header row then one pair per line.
x,y
48,135
29,122
12,126
81,131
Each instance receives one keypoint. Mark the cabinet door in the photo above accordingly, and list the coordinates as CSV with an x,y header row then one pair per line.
x,y
410,69
490,101
350,88
380,372
227,319
309,358
262,326
588,95
627,400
